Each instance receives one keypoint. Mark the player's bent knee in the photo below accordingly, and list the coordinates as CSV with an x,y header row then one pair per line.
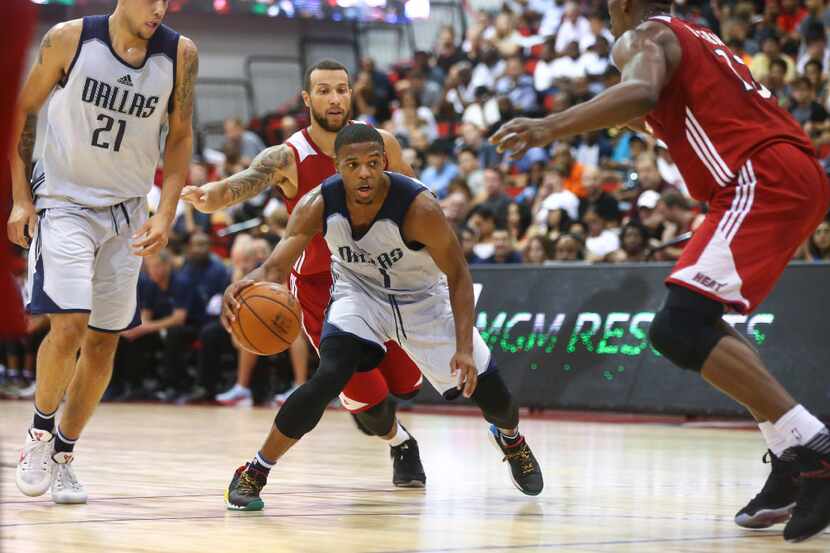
x,y
67,330
100,344
495,401
340,356
686,329
377,420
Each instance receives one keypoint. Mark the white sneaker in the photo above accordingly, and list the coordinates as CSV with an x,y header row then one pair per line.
x,y
65,486
236,396
26,393
279,399
35,464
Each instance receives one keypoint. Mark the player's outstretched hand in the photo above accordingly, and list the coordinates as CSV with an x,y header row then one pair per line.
x,y
200,197
521,134
230,301
21,224
463,366
151,237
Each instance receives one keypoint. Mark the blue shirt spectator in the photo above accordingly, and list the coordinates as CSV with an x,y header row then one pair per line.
x,y
439,171
205,275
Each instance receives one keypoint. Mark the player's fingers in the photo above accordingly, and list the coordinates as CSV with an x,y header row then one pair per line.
x,y
472,380
503,131
145,228
31,227
150,249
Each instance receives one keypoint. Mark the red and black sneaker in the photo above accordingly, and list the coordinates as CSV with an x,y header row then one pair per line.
x,y
776,500
243,491
525,471
812,509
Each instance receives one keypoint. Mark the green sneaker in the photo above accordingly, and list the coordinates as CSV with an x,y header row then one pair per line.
x,y
243,492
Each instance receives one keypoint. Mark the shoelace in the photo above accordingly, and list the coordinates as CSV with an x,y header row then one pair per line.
x,y
65,477
45,454
248,484
523,455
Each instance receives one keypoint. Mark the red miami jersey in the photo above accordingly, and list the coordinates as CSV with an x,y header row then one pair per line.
x,y
313,167
713,115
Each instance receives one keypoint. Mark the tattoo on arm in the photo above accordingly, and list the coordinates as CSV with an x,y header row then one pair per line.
x,y
260,175
184,91
45,44
26,145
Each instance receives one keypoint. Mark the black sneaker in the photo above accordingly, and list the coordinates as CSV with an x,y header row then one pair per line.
x,y
407,470
525,471
812,509
775,502
243,492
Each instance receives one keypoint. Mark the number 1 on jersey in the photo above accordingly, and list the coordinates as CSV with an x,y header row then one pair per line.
x,y
106,127
752,84
387,282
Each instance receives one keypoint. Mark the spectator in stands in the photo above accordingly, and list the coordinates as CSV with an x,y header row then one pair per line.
x,y
412,116
164,299
771,50
518,222
469,168
600,240
597,58
564,162
790,16
818,246
458,94
552,18
597,199
246,142
574,28
804,108
634,245
485,110
428,93
439,171
776,81
543,73
363,98
489,68
382,90
649,216
504,35
447,50
539,249
455,207
678,219
494,197
814,73
569,66
472,136
504,249
553,195
468,238
569,247
517,86
483,221
598,29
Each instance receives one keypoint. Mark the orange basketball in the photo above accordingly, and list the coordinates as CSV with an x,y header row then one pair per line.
x,y
268,320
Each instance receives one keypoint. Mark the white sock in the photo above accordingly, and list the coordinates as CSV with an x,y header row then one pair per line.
x,y
400,437
776,443
797,427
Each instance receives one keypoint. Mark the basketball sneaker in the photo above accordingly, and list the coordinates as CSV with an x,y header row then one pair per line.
x,y
812,508
775,502
407,470
525,471
237,396
35,465
66,489
243,492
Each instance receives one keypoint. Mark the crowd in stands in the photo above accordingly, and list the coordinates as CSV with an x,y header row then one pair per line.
x,y
612,196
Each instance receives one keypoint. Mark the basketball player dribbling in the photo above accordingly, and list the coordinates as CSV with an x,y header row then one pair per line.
x,y
117,83
296,167
399,276
754,166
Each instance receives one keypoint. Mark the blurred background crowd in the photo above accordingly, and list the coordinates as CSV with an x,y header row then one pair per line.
x,y
612,196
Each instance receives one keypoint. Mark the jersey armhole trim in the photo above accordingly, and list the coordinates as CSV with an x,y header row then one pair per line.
x,y
65,79
171,101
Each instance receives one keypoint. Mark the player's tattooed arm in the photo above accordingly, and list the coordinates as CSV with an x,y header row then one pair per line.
x,y
268,168
183,102
54,57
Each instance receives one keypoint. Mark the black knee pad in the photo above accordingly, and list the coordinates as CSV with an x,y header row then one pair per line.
x,y
340,357
495,401
378,419
687,328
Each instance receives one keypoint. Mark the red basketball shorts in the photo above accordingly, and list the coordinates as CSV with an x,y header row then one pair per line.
x,y
396,373
754,227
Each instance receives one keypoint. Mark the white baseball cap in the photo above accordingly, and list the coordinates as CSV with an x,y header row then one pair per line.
x,y
648,199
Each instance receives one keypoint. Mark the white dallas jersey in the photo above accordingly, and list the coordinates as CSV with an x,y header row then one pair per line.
x,y
105,122
380,261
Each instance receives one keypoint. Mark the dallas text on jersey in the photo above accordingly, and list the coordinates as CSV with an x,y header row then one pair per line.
x,y
114,98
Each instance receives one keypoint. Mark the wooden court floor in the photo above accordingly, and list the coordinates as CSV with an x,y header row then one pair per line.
x,y
155,476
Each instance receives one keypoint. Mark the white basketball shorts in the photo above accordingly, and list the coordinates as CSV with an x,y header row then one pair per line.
x,y
81,262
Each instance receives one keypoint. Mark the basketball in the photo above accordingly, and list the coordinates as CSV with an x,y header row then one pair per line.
x,y
268,320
